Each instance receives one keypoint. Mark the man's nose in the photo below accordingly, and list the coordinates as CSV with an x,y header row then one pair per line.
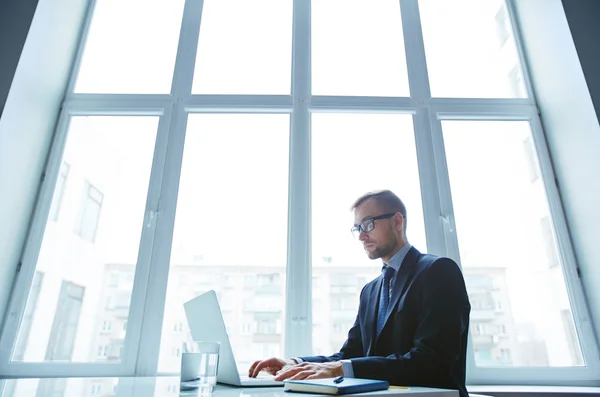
x,y
362,236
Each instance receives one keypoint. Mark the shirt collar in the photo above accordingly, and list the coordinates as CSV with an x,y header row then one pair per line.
x,y
396,261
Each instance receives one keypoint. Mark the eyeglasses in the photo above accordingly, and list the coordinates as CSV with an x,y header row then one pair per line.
x,y
368,224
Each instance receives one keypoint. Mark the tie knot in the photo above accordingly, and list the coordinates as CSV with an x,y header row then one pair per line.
x,y
387,272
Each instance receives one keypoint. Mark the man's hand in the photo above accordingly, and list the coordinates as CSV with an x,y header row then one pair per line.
x,y
308,370
271,365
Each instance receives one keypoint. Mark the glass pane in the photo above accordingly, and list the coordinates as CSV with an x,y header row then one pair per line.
x,y
471,49
245,47
231,233
358,48
354,151
506,240
131,47
74,291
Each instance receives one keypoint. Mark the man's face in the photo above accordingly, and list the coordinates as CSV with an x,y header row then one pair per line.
x,y
383,240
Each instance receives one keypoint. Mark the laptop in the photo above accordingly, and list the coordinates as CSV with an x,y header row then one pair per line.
x,y
206,324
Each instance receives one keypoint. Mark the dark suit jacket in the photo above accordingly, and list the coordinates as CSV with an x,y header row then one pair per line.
x,y
424,340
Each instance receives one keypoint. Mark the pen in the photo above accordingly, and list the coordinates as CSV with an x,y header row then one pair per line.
x,y
339,379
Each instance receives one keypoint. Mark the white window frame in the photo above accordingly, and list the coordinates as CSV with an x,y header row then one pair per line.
x,y
142,342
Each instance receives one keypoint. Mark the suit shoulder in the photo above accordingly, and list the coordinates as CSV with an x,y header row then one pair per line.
x,y
429,262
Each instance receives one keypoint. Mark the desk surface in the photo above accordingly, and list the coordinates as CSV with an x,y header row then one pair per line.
x,y
162,387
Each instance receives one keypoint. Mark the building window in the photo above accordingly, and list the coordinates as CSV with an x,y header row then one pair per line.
x,y
51,387
106,326
172,388
114,279
102,351
66,320
90,213
247,328
96,388
503,27
505,355
483,356
548,241
30,309
572,339
59,191
530,160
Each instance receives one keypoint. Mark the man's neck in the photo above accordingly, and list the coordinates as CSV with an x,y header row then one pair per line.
x,y
400,246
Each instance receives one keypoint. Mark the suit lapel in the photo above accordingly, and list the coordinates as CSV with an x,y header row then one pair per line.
x,y
372,309
405,273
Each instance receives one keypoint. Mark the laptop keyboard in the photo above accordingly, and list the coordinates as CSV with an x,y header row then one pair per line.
x,y
262,379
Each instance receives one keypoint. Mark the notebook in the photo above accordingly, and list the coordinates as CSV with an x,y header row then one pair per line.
x,y
327,386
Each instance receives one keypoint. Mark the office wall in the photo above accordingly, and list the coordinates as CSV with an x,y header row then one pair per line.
x,y
40,39
583,17
569,118
15,20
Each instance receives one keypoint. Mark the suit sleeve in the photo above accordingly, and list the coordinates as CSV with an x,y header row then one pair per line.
x,y
438,339
352,347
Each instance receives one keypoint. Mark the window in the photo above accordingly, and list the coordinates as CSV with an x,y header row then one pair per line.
x,y
467,65
90,213
96,388
106,326
247,329
86,288
529,153
222,151
114,279
102,351
505,203
234,47
342,144
125,53
66,321
248,165
52,387
548,241
348,54
571,334
30,310
59,191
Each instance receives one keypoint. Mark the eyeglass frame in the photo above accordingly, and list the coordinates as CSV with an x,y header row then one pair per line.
x,y
359,227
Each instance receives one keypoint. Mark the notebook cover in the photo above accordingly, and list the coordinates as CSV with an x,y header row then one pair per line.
x,y
327,386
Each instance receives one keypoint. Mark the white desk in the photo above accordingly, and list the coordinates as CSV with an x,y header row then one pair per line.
x,y
164,387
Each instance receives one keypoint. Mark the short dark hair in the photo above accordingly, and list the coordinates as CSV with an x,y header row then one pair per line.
x,y
386,200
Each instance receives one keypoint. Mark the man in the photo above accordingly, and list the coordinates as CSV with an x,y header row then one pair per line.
x,y
412,322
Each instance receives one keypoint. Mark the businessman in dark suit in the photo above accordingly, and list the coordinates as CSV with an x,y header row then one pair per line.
x,y
412,322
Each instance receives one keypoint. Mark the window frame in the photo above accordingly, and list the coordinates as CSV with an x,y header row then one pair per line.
x,y
144,325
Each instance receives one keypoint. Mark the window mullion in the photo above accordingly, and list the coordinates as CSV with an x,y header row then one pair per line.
x,y
446,211
173,130
298,321
418,79
430,194
433,172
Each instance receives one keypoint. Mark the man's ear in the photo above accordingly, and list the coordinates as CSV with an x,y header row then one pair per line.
x,y
399,221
